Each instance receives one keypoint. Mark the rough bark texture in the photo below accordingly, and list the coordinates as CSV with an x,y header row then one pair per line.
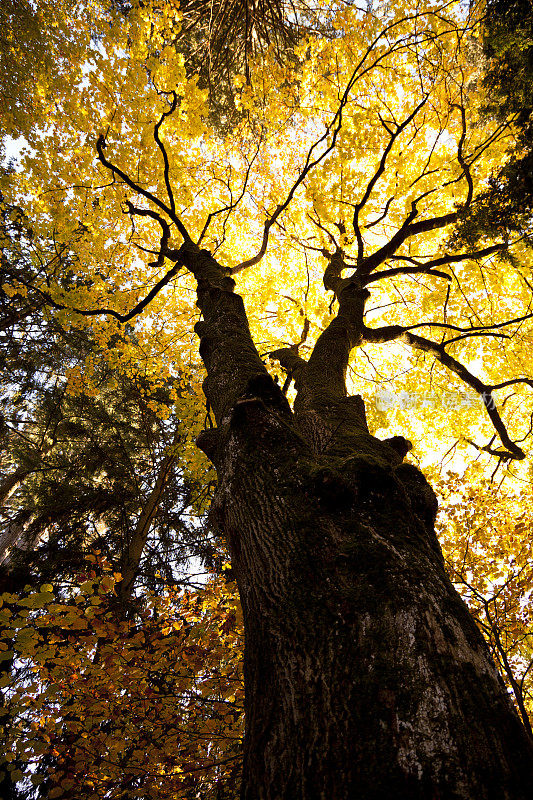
x,y
365,675
15,535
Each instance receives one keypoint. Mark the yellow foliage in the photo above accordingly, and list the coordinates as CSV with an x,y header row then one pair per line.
x,y
158,697
167,683
486,533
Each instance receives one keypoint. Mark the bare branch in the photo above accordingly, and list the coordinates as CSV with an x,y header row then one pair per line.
x,y
391,332
461,158
428,266
233,204
335,126
393,135
332,129
163,149
512,382
410,228
163,253
100,145
135,311
414,270
381,216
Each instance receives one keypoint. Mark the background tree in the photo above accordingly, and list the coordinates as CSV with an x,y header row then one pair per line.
x,y
507,78
87,460
157,714
95,465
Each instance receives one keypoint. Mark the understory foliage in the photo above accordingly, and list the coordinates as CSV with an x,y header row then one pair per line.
x,y
101,706
332,144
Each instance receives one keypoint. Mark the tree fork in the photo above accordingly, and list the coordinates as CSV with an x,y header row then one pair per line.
x,y
365,675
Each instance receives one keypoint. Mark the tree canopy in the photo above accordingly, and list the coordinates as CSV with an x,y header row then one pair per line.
x,y
334,157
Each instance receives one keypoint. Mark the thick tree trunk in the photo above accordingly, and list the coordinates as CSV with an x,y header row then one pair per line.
x,y
365,675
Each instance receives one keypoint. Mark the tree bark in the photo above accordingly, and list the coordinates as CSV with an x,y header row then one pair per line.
x,y
365,675
15,535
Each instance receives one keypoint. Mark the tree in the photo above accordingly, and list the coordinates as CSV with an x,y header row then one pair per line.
x,y
506,207
364,673
39,44
72,477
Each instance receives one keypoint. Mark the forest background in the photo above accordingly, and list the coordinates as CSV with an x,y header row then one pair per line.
x,y
122,631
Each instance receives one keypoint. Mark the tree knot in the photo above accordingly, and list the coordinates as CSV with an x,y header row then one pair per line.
x,y
400,445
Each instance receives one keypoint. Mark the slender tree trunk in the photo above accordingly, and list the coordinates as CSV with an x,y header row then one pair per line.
x,y
138,541
365,675
15,535
10,484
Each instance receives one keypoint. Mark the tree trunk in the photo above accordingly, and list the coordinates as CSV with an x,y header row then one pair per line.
x,y
10,484
135,547
365,675
15,536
